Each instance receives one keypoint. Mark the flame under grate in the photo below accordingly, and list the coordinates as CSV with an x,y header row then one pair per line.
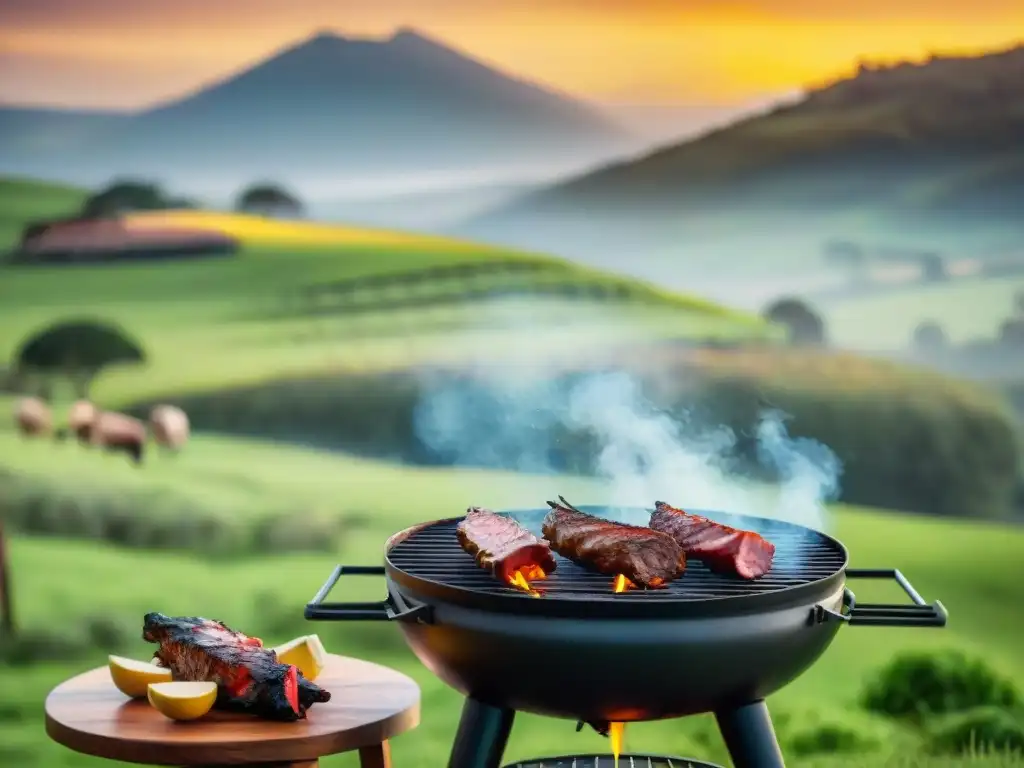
x,y
607,761
802,556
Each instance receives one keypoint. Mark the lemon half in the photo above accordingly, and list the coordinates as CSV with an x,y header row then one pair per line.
x,y
183,701
132,677
306,652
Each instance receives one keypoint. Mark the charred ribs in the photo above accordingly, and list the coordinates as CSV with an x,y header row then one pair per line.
x,y
503,546
722,549
248,676
646,557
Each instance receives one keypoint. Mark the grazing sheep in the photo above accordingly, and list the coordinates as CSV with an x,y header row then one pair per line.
x,y
80,419
169,425
118,432
33,417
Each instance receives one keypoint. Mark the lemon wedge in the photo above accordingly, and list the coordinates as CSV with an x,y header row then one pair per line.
x,y
183,701
132,677
306,652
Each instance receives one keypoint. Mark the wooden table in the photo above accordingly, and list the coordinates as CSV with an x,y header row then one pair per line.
x,y
369,705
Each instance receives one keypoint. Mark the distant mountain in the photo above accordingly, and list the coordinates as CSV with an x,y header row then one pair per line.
x,y
338,107
673,123
936,142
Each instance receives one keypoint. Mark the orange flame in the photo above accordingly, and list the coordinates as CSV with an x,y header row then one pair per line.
x,y
521,579
621,584
616,732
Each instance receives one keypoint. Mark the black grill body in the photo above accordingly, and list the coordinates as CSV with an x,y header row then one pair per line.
x,y
706,643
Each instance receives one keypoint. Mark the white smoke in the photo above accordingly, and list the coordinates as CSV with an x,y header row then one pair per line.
x,y
643,453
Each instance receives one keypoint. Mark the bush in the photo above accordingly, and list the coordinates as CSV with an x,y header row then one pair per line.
x,y
143,520
929,337
906,439
63,643
916,685
804,325
268,199
983,729
125,195
1011,333
829,738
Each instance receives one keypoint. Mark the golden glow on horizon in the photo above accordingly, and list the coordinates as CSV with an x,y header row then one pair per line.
x,y
643,51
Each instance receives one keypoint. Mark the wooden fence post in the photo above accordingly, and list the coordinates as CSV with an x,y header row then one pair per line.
x,y
6,610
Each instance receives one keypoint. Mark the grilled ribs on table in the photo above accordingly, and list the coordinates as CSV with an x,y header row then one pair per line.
x,y
721,548
249,678
646,557
503,546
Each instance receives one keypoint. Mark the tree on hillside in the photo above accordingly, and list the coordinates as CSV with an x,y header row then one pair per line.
x,y
123,196
1018,303
77,350
267,199
929,337
805,326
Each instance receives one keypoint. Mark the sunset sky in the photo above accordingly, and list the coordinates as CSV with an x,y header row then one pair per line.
x,y
131,53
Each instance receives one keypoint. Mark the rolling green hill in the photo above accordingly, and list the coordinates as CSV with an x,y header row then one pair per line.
x,y
304,297
903,147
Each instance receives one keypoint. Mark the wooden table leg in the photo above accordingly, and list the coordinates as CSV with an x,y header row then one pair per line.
x,y
377,756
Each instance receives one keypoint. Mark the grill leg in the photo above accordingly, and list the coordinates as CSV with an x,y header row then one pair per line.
x,y
482,735
749,736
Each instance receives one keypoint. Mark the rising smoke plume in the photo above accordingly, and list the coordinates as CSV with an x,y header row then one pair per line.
x,y
642,453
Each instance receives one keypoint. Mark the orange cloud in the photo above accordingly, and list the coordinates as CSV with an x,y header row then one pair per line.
x,y
637,50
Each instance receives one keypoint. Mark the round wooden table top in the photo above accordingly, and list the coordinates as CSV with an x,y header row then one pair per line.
x,y
369,704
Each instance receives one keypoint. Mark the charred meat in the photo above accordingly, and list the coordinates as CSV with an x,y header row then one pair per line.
x,y
248,676
646,557
722,549
504,547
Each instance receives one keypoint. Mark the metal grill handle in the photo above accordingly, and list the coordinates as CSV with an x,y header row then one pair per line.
x,y
918,614
392,608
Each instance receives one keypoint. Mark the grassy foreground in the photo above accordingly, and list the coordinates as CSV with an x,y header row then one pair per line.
x,y
973,568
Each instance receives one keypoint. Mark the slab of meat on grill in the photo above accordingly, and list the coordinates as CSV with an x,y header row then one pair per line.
x,y
502,546
645,557
248,676
719,547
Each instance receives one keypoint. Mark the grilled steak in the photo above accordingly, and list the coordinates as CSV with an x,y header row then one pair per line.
x,y
719,547
503,546
248,676
645,557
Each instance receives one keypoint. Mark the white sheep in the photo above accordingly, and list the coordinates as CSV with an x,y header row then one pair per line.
x,y
119,432
33,417
169,426
81,416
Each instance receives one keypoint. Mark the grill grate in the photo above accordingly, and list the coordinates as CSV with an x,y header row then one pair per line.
x,y
607,761
802,556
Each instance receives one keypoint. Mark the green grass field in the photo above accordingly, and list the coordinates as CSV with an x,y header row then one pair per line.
x,y
218,322
971,567
968,310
